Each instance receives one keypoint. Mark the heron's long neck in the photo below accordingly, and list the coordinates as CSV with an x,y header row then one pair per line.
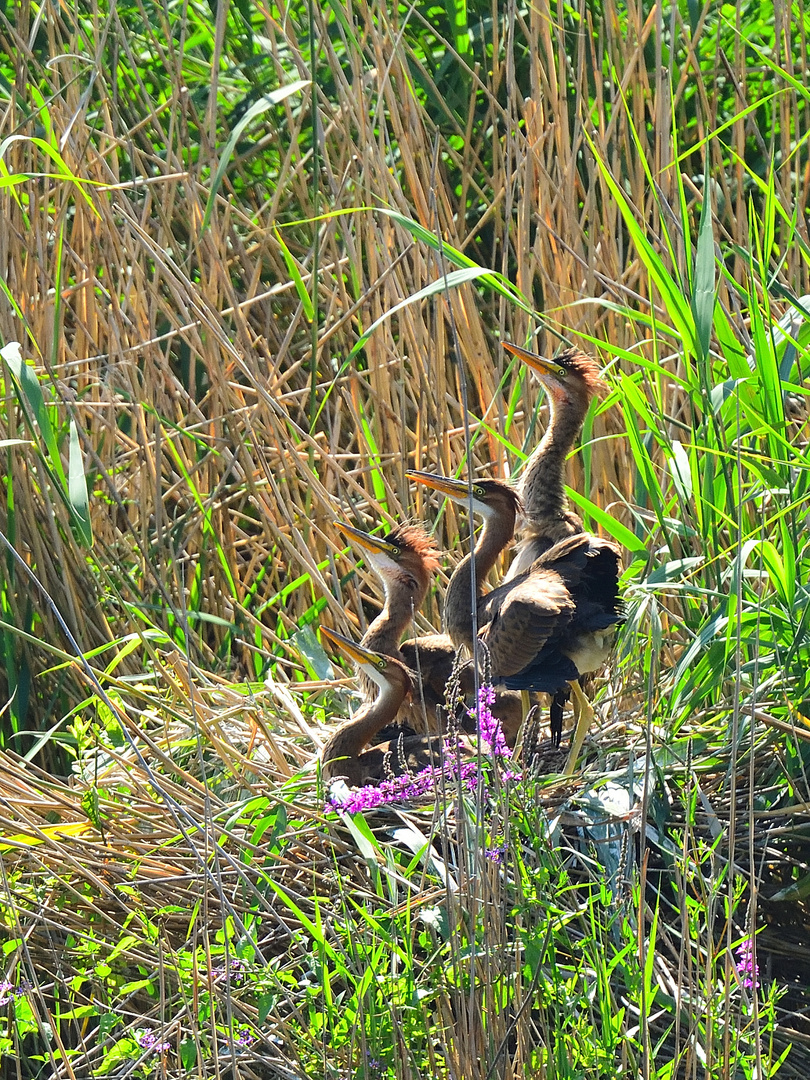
x,y
342,750
458,621
403,596
543,483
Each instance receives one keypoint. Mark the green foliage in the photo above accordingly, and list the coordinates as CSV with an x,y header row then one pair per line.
x,y
257,257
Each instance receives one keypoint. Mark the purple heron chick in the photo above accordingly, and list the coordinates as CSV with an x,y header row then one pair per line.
x,y
571,381
546,626
404,561
344,756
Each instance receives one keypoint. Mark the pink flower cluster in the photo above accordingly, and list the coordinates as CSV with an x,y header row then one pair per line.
x,y
8,991
408,788
489,726
148,1040
236,973
746,968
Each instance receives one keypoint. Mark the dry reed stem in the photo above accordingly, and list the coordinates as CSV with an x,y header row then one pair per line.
x,y
150,313
186,358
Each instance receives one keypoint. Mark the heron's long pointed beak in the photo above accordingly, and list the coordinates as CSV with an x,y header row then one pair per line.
x,y
447,485
371,543
543,365
354,651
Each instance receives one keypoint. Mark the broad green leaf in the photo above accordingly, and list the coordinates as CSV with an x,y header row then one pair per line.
x,y
620,533
703,284
63,172
674,300
346,27
77,489
491,278
32,400
457,14
312,650
295,274
681,471
448,281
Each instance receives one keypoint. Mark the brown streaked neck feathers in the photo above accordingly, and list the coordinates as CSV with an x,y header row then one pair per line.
x,y
500,513
341,756
405,580
542,484
547,516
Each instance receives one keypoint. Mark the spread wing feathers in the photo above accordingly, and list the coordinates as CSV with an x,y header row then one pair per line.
x,y
590,568
518,619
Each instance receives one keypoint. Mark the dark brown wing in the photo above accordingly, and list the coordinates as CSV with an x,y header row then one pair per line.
x,y
431,659
590,567
519,618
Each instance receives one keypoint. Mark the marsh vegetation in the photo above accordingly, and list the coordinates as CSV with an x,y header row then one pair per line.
x,y
259,261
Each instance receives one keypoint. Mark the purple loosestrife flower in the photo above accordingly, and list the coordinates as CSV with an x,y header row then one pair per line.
x,y
746,968
489,726
8,991
147,1040
408,787
238,972
244,1037
405,788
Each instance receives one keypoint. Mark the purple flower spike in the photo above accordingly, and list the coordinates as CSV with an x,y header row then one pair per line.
x,y
746,968
489,726
410,787
147,1040
402,788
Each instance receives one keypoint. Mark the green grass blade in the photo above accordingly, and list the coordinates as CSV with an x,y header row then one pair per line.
x,y
442,284
32,400
266,102
77,489
676,305
491,278
295,274
620,533
703,286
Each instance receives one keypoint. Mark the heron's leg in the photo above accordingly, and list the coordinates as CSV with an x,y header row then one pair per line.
x,y
556,712
583,718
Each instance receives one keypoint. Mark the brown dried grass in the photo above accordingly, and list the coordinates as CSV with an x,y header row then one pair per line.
x,y
186,357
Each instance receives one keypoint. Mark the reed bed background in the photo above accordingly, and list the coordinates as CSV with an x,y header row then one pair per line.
x,y
257,259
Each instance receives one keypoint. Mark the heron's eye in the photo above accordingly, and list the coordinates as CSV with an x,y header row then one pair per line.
x,y
395,551
479,491
562,372
381,665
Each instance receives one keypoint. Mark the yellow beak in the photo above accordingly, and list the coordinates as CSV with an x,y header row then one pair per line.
x,y
366,540
541,364
350,648
453,489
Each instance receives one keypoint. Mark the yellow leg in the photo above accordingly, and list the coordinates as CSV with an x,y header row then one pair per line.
x,y
583,718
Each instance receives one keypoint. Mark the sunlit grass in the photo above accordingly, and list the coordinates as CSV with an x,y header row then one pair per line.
x,y
251,299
